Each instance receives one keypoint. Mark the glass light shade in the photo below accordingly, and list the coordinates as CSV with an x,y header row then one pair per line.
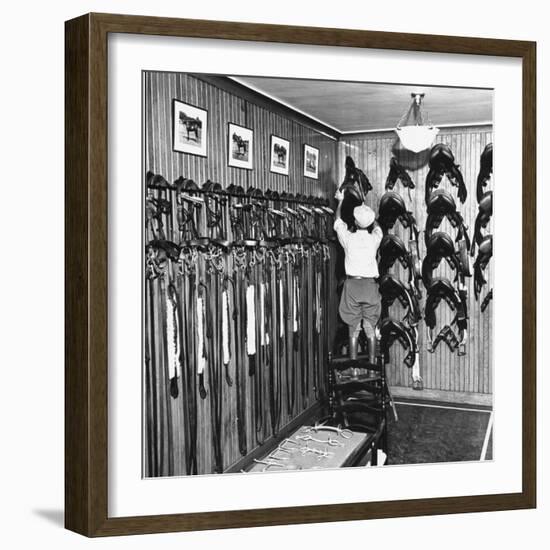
x,y
417,138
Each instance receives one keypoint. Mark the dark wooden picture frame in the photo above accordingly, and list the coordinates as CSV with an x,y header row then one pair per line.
x,y
200,152
230,144
86,283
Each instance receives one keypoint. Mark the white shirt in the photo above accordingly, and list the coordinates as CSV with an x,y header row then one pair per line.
x,y
360,248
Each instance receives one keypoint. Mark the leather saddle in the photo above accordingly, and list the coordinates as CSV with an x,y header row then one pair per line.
x,y
441,205
485,170
485,211
391,249
440,245
392,289
391,208
391,330
442,289
442,163
355,187
397,172
484,254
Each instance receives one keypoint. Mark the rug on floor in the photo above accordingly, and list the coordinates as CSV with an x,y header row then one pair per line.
x,y
428,434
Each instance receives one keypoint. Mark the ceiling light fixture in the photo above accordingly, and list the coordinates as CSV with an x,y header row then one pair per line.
x,y
417,136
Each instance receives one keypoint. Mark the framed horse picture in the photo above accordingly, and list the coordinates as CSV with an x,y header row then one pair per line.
x,y
280,154
311,162
240,146
189,128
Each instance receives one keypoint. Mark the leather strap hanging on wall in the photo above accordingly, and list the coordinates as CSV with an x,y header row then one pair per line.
x,y
241,269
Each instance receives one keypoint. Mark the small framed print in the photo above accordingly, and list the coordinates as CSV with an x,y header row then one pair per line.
x,y
280,152
189,128
311,162
239,146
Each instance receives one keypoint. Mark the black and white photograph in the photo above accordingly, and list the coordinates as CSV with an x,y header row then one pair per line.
x,y
280,155
240,146
336,318
311,162
189,128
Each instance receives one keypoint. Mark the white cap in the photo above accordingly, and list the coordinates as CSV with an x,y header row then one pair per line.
x,y
363,215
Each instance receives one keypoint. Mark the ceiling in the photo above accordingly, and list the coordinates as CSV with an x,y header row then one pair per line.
x,y
358,106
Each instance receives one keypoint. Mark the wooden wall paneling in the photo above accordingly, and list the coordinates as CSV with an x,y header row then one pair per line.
x,y
467,145
176,164
228,410
461,146
488,325
490,278
442,369
479,145
222,107
476,330
472,144
445,315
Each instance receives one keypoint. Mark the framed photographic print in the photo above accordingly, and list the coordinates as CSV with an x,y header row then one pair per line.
x,y
210,381
311,162
239,146
280,155
190,128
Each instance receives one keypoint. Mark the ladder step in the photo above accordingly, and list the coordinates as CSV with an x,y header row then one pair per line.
x,y
362,362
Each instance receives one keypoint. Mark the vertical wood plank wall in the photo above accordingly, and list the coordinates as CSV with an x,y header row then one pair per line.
x,y
441,370
223,107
